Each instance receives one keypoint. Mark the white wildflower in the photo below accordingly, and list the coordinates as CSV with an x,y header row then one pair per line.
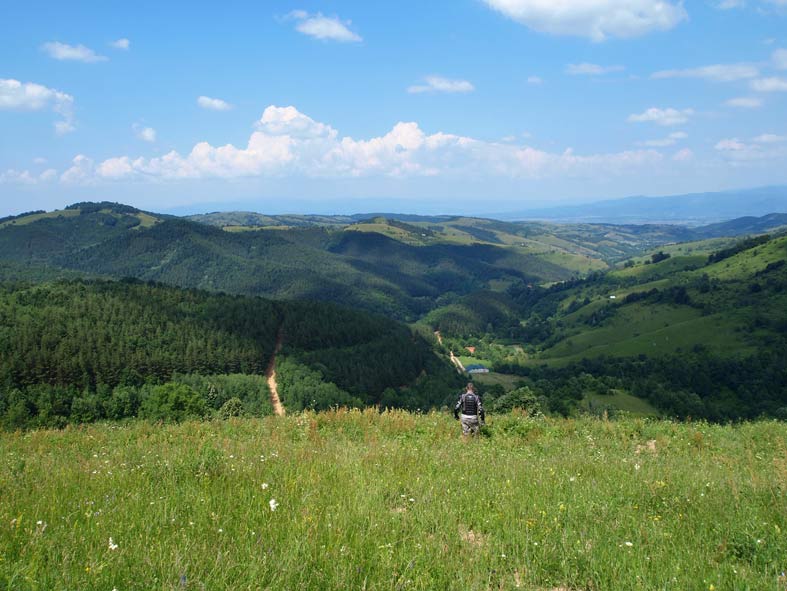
x,y
264,485
273,504
629,544
112,545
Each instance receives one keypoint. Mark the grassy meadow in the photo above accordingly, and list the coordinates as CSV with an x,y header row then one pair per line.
x,y
395,501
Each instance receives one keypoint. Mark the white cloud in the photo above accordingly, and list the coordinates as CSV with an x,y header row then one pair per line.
x,y
25,177
595,19
146,134
82,171
683,155
586,69
761,6
535,80
744,102
213,104
670,140
123,44
779,58
29,96
665,117
440,84
287,142
323,27
769,138
64,127
763,147
78,53
773,84
289,121
713,73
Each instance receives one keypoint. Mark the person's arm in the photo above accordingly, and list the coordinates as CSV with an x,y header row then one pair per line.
x,y
481,412
456,408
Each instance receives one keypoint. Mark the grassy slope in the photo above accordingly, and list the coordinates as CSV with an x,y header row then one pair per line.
x,y
394,501
661,328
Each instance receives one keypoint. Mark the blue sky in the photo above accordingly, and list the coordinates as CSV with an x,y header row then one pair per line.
x,y
348,106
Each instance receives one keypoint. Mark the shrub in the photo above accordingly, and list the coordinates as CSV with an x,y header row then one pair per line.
x,y
172,402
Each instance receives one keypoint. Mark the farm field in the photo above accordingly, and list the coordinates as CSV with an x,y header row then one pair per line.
x,y
362,500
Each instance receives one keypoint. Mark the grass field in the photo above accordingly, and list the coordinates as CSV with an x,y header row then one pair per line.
x,y
395,501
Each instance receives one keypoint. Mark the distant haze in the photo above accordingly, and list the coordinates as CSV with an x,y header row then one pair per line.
x,y
691,209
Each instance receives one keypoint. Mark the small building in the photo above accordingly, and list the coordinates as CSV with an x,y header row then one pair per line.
x,y
476,368
471,350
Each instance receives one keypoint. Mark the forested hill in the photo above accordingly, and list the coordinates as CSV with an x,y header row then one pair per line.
x,y
73,345
403,268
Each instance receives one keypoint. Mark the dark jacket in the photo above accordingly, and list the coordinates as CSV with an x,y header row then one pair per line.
x,y
469,403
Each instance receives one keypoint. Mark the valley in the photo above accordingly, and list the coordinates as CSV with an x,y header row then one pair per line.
x,y
571,317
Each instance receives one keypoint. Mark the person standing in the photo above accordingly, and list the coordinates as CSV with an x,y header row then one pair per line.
x,y
471,410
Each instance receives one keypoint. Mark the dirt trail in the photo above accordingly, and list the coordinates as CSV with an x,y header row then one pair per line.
x,y
457,363
439,337
270,375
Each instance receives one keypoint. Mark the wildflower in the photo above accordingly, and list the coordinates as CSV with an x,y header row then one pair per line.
x,y
112,545
412,500
264,485
273,504
628,544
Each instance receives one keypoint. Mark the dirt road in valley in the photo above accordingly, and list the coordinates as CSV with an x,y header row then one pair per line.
x,y
457,363
270,375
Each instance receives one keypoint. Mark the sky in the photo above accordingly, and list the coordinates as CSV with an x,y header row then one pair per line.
x,y
460,106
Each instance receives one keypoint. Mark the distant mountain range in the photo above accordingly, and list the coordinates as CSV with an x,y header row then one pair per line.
x,y
693,209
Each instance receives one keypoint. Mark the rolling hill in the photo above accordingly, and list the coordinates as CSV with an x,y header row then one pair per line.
x,y
76,351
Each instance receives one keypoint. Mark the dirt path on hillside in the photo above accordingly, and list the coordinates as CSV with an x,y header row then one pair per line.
x,y
457,363
439,337
270,375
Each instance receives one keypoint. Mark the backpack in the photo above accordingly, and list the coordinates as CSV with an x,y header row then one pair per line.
x,y
470,404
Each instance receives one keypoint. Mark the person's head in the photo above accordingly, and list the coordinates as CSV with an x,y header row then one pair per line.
x,y
470,387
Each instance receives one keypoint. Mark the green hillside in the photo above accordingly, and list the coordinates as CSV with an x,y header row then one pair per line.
x,y
397,276
696,336
80,351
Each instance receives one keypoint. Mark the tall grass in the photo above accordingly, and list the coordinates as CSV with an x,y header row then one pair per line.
x,y
395,501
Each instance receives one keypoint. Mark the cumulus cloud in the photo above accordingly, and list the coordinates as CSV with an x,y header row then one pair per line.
x,y
586,69
666,117
440,84
322,27
25,177
77,53
29,96
670,140
744,102
772,84
123,44
213,104
713,73
146,134
288,142
595,19
535,80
